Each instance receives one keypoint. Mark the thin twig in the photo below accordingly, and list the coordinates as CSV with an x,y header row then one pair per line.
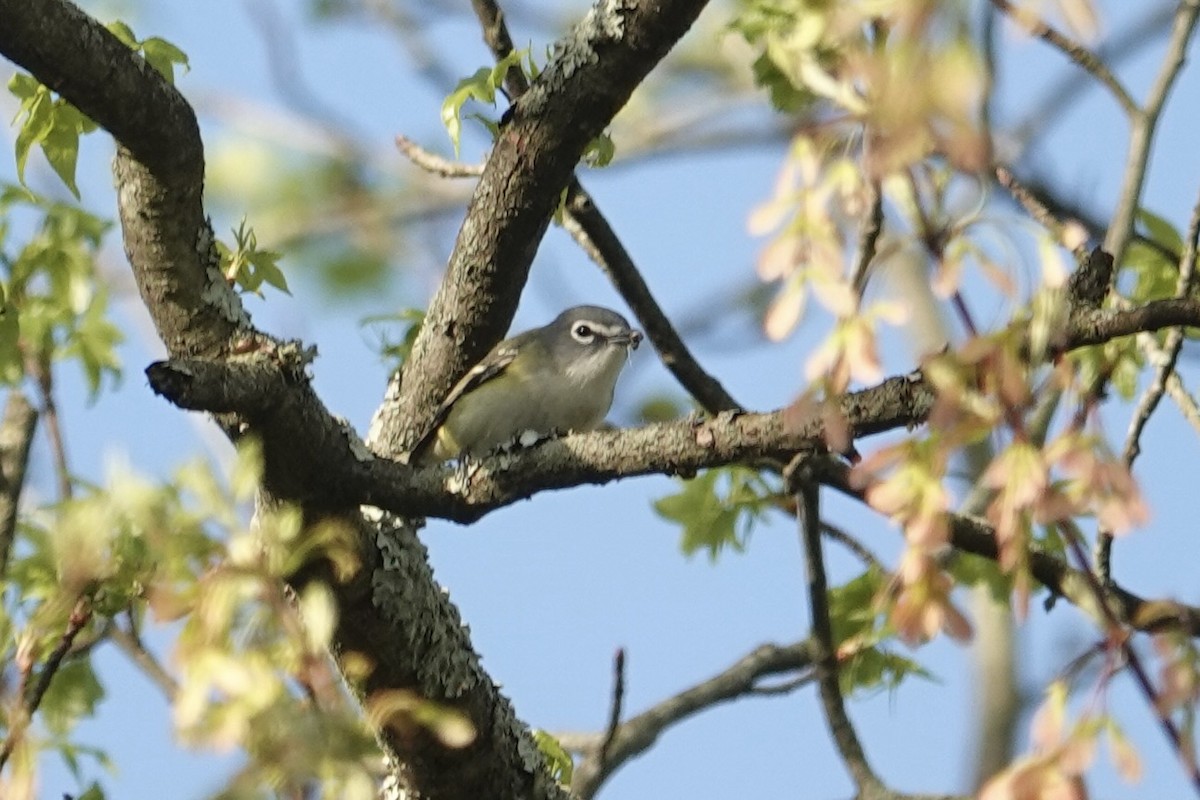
x,y
1033,205
1070,88
1165,359
638,734
853,545
1141,134
1076,51
81,615
1184,401
844,735
868,239
435,164
129,642
16,437
588,226
786,687
1118,635
42,373
614,715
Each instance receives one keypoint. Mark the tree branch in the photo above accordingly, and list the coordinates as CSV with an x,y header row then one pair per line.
x,y
331,468
1141,134
591,230
829,689
32,697
592,74
16,437
636,735
1085,58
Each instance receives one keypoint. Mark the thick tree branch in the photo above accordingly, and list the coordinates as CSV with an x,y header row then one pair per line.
x,y
592,74
590,229
270,390
393,611
75,56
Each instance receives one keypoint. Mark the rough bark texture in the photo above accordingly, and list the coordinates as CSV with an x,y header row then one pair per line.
x,y
593,72
393,611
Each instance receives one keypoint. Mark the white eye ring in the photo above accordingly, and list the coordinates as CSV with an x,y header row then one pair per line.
x,y
583,333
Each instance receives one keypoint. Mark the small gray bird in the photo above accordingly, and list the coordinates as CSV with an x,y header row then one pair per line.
x,y
559,377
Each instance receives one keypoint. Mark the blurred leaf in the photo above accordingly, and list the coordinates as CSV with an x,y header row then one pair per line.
x,y
875,668
94,792
600,151
853,607
51,123
396,350
717,509
73,695
562,767
660,408
1160,231
859,626
972,570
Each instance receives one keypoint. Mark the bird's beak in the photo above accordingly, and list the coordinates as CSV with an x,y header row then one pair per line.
x,y
631,339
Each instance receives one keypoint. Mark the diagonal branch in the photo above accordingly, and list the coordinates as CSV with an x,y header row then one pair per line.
x,y
591,76
1141,134
1164,359
1076,51
587,224
16,437
393,611
636,735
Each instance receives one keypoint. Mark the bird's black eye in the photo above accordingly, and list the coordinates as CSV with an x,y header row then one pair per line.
x,y
583,333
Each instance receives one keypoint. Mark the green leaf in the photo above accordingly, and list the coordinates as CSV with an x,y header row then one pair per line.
x,y
600,151
717,509
12,365
972,570
1160,231
874,668
61,148
94,792
53,124
559,761
123,32
163,56
158,52
249,267
477,87
853,610
73,694
481,87
397,350
39,120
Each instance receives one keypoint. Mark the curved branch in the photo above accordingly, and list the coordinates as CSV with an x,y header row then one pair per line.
x,y
587,224
591,76
638,734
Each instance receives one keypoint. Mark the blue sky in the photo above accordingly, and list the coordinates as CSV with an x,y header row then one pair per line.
x,y
552,586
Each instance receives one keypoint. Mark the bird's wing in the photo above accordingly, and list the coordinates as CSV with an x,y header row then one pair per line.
x,y
492,365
